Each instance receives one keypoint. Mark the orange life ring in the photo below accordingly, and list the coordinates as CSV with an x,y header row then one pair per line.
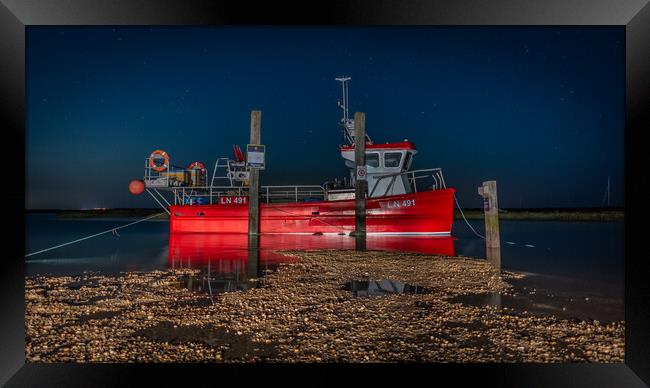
x,y
153,165
197,165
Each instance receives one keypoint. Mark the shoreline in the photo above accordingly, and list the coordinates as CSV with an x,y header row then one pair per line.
x,y
548,215
307,311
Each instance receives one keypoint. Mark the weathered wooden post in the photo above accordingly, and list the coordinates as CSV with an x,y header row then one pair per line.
x,y
253,267
491,209
361,186
254,179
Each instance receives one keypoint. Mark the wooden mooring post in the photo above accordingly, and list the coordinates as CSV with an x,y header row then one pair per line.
x,y
361,185
253,265
254,179
491,209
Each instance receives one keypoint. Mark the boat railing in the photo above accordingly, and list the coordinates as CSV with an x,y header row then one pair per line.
x,y
205,195
170,177
340,191
294,193
436,182
339,194
153,178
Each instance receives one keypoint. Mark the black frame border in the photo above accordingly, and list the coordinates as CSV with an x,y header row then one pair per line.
x,y
15,15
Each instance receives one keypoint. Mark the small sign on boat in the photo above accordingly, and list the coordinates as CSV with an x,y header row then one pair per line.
x,y
362,171
255,155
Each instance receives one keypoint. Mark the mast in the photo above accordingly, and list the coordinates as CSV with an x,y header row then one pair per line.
x,y
344,91
346,122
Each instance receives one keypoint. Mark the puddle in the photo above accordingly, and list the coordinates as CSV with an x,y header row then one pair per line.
x,y
92,283
371,288
543,303
202,302
210,285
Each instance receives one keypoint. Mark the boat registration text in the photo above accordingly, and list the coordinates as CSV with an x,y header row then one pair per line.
x,y
398,204
233,200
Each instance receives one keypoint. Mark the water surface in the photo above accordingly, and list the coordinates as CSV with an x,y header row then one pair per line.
x,y
562,259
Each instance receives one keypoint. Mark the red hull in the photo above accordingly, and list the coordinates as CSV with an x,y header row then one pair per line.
x,y
428,212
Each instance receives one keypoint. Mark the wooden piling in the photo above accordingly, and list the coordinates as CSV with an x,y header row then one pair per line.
x,y
253,267
361,186
254,178
491,210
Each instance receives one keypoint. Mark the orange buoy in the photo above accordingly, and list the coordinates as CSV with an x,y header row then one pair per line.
x,y
152,162
136,187
197,166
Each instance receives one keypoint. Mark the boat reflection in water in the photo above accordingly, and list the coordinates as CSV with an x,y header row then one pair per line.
x,y
227,263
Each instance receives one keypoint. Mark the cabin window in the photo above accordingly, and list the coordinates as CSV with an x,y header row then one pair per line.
x,y
392,159
372,159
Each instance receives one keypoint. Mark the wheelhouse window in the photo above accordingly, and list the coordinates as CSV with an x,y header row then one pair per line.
x,y
372,159
392,159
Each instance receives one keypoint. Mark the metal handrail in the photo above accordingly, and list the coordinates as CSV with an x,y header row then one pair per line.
x,y
295,192
292,191
182,192
436,174
346,190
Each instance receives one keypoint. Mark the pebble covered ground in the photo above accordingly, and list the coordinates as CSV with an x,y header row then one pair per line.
x,y
302,313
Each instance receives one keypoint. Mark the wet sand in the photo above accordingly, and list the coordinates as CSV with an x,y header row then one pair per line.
x,y
314,310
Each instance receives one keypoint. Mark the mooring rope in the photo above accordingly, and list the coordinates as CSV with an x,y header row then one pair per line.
x,y
467,222
483,237
112,230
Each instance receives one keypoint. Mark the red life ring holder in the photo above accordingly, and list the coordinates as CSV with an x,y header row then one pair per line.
x,y
153,165
197,165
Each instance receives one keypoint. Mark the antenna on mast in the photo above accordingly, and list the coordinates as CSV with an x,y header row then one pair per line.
x,y
346,122
344,92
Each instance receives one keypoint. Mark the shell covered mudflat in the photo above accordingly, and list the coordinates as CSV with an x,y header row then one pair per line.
x,y
328,306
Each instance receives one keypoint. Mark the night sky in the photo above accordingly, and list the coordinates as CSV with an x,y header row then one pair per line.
x,y
539,109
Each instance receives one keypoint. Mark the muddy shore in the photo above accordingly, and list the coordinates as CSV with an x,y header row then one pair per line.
x,y
313,310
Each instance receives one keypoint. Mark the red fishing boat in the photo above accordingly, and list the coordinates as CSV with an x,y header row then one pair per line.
x,y
400,201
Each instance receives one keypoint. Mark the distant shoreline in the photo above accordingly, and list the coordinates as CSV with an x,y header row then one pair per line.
x,y
561,214
596,215
101,213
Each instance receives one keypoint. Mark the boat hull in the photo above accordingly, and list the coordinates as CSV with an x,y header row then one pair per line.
x,y
422,213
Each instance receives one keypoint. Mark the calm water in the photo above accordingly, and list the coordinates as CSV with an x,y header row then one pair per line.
x,y
581,259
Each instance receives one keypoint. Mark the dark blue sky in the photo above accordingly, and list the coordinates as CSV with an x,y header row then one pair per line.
x,y
539,109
